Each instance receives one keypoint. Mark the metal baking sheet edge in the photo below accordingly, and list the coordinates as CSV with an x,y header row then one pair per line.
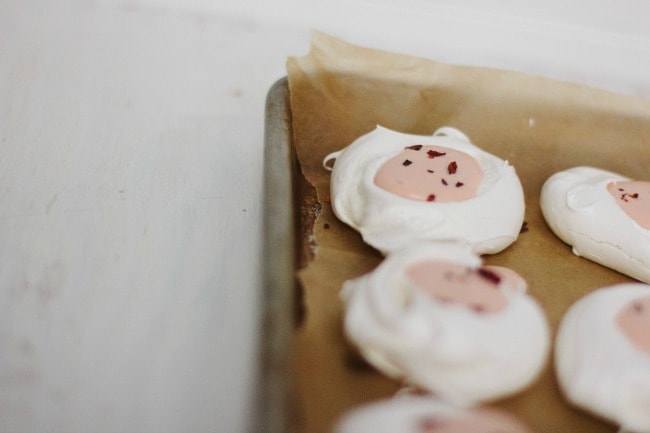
x,y
272,392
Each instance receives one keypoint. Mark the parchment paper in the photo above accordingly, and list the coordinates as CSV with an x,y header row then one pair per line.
x,y
340,92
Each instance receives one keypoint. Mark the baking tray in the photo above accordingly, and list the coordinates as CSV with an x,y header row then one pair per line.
x,y
290,211
279,261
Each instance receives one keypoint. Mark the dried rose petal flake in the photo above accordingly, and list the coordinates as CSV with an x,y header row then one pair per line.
x,y
489,275
434,153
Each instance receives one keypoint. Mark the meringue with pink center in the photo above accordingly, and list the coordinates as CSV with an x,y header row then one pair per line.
x,y
397,188
603,216
424,414
602,355
434,317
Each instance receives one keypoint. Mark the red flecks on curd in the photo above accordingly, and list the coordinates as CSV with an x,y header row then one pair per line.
x,y
633,197
634,321
476,289
431,173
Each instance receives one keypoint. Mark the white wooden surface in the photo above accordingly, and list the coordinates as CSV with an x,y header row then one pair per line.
x,y
130,201
131,136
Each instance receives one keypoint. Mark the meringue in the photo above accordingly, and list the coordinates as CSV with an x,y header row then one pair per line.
x,y
397,188
602,355
423,414
464,332
603,216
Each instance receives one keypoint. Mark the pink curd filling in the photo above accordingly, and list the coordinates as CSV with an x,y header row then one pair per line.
x,y
633,197
431,173
476,421
634,321
509,278
476,289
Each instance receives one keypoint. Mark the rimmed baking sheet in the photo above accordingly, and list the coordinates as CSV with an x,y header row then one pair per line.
x,y
539,125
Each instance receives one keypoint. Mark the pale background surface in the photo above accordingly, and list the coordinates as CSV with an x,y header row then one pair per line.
x,y
131,139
